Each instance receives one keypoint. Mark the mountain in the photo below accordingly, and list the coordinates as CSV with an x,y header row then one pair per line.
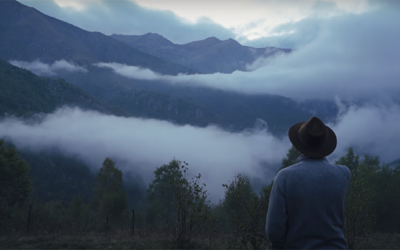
x,y
27,34
240,111
210,55
24,93
326,110
229,110
54,175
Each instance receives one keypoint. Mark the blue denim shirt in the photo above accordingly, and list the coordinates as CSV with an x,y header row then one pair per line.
x,y
306,207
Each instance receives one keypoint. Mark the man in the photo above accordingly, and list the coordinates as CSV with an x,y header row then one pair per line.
x,y
306,206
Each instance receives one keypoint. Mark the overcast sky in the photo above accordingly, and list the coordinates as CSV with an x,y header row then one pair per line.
x,y
184,21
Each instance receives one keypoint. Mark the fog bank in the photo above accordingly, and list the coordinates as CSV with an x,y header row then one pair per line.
x,y
144,144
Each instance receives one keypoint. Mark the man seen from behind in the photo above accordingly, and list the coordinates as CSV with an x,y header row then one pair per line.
x,y
306,207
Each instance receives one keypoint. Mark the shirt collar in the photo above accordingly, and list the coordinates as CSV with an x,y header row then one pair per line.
x,y
305,158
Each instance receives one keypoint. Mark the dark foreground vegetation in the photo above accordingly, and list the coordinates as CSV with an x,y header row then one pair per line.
x,y
124,240
177,214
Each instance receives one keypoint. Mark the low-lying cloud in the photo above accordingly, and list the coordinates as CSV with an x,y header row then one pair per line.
x,y
372,129
44,69
147,144
133,72
217,154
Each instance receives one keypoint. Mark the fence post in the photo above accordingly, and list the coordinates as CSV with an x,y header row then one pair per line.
x,y
29,218
107,224
133,221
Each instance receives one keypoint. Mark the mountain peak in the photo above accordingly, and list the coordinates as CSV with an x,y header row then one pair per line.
x,y
153,34
204,43
209,55
212,38
148,39
231,41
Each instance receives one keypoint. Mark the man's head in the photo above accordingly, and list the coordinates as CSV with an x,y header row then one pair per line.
x,y
313,138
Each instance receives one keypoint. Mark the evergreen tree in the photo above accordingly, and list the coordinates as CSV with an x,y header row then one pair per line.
x,y
182,203
110,199
245,212
358,217
290,158
238,195
160,192
15,184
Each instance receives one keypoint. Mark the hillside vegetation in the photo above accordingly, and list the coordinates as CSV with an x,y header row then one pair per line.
x,y
24,94
176,212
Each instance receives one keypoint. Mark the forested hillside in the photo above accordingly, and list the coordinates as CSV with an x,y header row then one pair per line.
x,y
24,94
54,175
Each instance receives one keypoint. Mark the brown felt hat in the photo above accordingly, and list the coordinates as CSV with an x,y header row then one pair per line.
x,y
313,138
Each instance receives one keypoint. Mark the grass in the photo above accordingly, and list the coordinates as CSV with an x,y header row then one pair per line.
x,y
381,241
116,240
147,240
89,241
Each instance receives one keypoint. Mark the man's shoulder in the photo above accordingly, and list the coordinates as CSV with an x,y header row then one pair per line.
x,y
300,166
305,170
344,169
288,171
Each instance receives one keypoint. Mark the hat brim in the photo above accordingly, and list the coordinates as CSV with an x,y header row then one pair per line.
x,y
320,152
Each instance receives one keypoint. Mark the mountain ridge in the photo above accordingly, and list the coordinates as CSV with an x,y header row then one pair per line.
x,y
146,98
27,34
210,55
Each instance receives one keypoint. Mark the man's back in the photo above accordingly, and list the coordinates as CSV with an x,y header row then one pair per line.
x,y
312,193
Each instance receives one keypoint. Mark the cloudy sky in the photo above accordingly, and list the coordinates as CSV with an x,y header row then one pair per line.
x,y
343,49
184,21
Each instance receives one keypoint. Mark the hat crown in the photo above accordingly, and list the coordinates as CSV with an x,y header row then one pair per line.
x,y
313,138
315,127
313,132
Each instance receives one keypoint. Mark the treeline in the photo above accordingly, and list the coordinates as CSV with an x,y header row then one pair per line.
x,y
179,206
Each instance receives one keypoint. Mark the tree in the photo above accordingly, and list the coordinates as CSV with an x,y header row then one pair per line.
x,y
109,198
184,207
358,217
15,184
238,195
384,182
79,213
246,212
160,192
290,158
